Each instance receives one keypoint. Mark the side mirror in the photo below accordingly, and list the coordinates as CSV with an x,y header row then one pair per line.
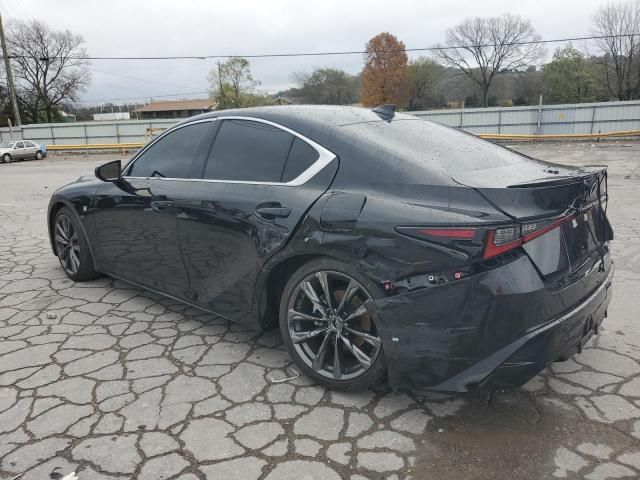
x,y
109,172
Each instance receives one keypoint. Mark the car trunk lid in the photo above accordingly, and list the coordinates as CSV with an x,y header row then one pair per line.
x,y
566,206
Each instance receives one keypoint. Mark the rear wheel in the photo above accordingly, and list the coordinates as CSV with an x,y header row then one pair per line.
x,y
6,158
72,247
327,329
39,155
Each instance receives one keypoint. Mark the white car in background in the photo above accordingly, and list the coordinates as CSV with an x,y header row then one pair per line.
x,y
21,150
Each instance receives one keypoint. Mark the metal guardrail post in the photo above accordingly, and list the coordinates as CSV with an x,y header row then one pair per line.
x,y
539,124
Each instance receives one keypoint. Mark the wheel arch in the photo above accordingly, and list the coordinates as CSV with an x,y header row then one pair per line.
x,y
271,284
54,207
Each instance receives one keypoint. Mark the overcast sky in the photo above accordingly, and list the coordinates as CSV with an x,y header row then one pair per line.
x,y
199,27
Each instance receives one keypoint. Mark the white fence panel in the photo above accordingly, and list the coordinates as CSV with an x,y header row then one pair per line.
x,y
555,119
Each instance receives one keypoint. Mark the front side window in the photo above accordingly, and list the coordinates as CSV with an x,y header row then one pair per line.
x,y
174,155
20,145
248,151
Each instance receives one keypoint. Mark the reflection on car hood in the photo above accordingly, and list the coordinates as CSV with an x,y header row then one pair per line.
x,y
85,178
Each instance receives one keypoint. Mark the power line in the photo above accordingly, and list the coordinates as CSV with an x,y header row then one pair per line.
x,y
348,52
142,97
128,77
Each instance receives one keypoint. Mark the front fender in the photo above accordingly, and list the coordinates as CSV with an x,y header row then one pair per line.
x,y
78,197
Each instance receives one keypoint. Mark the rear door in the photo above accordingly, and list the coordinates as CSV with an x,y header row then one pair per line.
x,y
30,149
258,181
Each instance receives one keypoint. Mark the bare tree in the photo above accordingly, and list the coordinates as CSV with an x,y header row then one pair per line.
x,y
233,85
485,47
619,25
49,67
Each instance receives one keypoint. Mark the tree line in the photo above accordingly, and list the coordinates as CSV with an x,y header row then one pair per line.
x,y
482,62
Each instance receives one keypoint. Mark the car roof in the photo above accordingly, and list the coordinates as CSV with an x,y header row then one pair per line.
x,y
326,115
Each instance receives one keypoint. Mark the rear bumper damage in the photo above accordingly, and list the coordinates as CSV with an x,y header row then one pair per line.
x,y
496,330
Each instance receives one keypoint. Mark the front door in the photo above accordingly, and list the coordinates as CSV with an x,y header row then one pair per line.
x,y
135,218
258,182
19,152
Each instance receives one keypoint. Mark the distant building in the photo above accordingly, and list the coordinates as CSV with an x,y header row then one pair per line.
x,y
174,109
111,116
66,117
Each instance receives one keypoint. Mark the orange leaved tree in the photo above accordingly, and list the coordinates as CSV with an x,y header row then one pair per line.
x,y
385,78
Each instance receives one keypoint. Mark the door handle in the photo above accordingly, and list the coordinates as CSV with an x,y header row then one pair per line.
x,y
273,212
162,205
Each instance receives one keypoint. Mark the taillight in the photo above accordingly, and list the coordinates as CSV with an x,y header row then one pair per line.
x,y
503,239
452,233
488,242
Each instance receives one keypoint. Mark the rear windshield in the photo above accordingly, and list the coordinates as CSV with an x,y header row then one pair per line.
x,y
440,148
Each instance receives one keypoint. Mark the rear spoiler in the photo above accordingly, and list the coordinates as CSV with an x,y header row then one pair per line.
x,y
551,196
588,172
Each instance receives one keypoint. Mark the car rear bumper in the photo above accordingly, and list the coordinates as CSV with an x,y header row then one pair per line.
x,y
425,347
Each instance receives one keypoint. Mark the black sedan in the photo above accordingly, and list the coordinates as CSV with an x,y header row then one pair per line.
x,y
379,243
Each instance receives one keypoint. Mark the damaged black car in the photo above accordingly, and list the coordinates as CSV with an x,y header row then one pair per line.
x,y
380,244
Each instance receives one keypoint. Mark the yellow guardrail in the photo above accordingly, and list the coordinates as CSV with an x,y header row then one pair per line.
x,y
563,136
488,136
95,146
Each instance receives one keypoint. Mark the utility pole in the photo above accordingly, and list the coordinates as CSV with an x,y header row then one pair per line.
x,y
12,87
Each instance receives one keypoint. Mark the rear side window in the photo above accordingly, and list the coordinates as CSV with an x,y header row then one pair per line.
x,y
248,151
173,156
301,157
423,143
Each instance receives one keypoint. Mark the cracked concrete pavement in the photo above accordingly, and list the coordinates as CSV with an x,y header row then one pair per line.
x,y
117,383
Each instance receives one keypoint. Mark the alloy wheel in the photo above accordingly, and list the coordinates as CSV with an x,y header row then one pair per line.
x,y
330,328
67,244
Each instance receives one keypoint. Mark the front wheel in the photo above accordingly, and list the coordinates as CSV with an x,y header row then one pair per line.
x,y
327,328
72,248
6,158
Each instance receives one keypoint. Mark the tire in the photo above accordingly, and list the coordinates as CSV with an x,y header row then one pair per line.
x,y
39,155
6,158
72,248
361,361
